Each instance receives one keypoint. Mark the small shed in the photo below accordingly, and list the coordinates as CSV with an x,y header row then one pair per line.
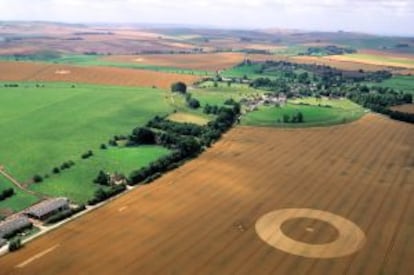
x,y
47,208
13,225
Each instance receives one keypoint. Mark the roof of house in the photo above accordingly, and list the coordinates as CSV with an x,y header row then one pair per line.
x,y
9,225
47,206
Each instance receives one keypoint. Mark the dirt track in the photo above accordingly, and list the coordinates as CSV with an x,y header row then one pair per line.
x,y
200,219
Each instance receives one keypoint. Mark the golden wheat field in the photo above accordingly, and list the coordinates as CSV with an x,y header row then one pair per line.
x,y
307,190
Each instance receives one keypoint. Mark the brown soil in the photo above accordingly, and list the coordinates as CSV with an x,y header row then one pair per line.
x,y
25,71
326,232
406,108
333,62
207,61
200,218
350,237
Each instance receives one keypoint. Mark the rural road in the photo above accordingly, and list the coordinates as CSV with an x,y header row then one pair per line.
x,y
15,182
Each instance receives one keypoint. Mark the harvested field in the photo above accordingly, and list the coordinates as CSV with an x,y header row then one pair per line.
x,y
207,61
406,108
380,60
200,219
187,117
344,64
386,54
21,71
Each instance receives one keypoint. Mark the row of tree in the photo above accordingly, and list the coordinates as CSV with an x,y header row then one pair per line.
x,y
187,140
380,99
105,193
295,118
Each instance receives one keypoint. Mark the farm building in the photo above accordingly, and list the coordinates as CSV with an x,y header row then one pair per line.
x,y
13,225
47,208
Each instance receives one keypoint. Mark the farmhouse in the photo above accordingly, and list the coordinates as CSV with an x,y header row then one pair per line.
x,y
13,225
47,208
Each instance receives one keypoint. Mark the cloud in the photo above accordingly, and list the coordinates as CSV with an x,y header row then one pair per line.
x,y
364,15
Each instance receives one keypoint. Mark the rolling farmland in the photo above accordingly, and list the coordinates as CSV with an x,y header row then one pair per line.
x,y
208,61
376,59
314,114
348,64
20,71
44,125
201,218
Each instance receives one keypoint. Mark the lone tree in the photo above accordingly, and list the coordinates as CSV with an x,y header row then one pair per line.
x,y
179,87
15,244
193,103
102,178
299,117
142,135
37,178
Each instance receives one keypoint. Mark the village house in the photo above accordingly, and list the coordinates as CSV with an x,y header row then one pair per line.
x,y
47,208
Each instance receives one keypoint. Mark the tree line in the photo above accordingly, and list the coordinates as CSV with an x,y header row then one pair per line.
x,y
186,140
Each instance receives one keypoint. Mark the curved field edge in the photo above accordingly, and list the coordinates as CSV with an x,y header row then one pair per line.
x,y
316,113
180,217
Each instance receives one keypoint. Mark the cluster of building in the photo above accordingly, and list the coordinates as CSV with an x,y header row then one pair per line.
x,y
12,225
267,99
22,221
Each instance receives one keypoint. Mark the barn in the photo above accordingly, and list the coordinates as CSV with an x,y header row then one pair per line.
x,y
47,208
13,225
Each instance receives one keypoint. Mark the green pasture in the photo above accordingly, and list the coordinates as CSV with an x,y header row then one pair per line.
x,y
399,82
19,201
77,182
97,60
315,113
44,127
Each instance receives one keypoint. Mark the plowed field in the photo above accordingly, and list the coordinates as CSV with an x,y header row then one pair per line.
x,y
208,61
19,71
201,218
406,108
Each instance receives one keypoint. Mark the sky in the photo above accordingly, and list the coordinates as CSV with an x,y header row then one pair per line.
x,y
391,17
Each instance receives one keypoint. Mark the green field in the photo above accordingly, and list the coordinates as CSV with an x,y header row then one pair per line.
x,y
18,201
77,182
217,96
44,127
223,85
250,71
340,111
97,60
399,82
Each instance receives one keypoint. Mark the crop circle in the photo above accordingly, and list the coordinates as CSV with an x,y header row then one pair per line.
x,y
350,238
